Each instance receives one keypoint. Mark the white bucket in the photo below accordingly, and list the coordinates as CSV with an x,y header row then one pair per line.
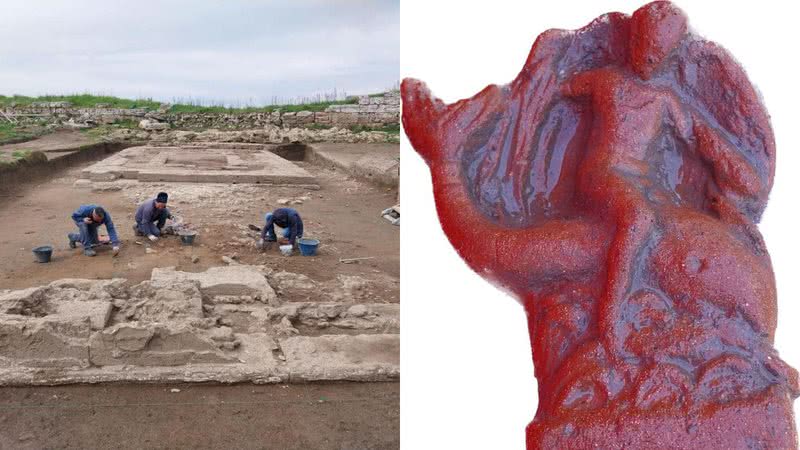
x,y
286,250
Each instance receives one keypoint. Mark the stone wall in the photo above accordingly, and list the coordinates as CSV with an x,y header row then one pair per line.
x,y
369,112
227,324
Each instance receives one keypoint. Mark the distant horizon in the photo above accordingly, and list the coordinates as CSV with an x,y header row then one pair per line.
x,y
324,97
236,53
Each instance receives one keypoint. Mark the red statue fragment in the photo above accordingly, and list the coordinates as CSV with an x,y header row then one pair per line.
x,y
614,187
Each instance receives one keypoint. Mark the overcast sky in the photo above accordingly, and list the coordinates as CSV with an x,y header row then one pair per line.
x,y
231,51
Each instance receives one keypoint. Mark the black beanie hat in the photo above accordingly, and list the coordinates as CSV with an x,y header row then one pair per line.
x,y
161,197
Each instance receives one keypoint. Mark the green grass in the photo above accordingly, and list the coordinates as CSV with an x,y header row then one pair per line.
x,y
316,106
381,94
19,154
391,129
82,101
318,126
11,133
90,101
125,123
7,131
102,130
21,157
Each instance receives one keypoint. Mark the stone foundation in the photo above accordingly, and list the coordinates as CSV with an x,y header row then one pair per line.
x,y
211,163
226,324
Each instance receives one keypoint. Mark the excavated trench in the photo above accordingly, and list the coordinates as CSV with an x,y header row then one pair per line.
x,y
295,151
191,327
15,178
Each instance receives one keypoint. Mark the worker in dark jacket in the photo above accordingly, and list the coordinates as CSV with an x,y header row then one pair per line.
x,y
151,217
88,218
286,218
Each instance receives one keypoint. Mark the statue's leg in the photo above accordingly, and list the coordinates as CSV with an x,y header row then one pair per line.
x,y
635,222
707,375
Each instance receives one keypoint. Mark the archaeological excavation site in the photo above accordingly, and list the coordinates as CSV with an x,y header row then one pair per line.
x,y
224,307
201,225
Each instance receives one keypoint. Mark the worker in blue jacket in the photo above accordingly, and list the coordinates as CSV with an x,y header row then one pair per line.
x,y
151,216
286,218
88,218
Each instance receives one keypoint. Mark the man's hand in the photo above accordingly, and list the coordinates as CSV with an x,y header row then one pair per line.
x,y
152,237
87,220
115,250
283,241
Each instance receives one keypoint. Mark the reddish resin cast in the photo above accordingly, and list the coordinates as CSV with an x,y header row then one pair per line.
x,y
614,186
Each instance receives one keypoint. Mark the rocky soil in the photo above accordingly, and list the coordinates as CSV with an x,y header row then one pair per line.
x,y
269,134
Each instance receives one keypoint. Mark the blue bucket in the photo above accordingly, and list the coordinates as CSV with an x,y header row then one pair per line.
x,y
308,247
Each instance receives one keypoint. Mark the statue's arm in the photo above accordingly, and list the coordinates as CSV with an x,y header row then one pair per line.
x,y
738,181
732,171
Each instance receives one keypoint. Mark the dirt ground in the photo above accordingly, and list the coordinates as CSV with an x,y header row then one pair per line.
x,y
344,214
306,416
51,144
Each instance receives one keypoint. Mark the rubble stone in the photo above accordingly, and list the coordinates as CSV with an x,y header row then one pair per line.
x,y
170,344
230,280
342,357
181,326
152,125
158,301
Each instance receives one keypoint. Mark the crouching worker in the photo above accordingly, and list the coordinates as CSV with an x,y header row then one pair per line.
x,y
88,218
286,218
151,217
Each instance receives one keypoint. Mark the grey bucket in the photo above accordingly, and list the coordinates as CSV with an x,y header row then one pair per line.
x,y
43,253
187,237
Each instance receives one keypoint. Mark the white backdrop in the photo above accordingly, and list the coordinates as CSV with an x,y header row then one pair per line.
x,y
467,375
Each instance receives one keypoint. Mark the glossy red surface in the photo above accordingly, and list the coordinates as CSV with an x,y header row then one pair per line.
x,y
614,187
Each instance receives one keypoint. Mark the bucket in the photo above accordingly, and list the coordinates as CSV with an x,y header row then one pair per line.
x,y
286,250
308,247
187,237
43,253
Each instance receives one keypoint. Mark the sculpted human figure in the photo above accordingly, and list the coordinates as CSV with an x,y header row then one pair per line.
x,y
614,175
614,187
